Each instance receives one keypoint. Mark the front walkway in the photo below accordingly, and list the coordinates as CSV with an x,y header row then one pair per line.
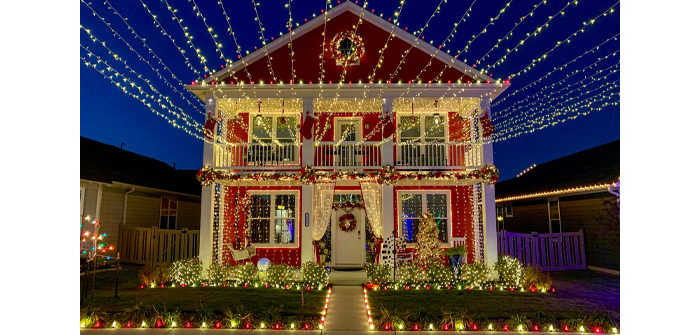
x,y
347,278
346,310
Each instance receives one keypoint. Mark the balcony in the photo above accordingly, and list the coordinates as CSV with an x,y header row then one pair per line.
x,y
349,156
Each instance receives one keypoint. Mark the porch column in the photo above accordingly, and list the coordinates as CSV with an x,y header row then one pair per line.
x,y
489,197
307,208
387,210
206,226
388,146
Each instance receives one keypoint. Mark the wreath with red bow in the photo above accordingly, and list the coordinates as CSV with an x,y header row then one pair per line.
x,y
347,222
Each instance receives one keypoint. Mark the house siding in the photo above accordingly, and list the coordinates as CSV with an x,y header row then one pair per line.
x,y
188,214
594,213
143,210
528,216
111,216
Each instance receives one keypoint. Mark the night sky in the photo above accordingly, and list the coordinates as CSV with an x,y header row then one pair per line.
x,y
110,116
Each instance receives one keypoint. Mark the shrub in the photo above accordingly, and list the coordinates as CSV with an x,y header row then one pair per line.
x,y
411,274
602,320
395,319
517,321
509,270
440,275
475,274
246,273
216,274
186,271
153,275
272,315
575,324
534,278
378,274
238,317
91,315
541,319
137,314
280,275
169,318
313,274
458,250
205,315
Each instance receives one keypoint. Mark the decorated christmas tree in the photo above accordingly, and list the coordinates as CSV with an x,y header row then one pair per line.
x,y
428,251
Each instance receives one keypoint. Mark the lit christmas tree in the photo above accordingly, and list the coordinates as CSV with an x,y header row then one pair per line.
x,y
428,251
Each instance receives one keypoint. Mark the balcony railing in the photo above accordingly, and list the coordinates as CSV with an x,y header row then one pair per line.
x,y
260,156
347,156
462,155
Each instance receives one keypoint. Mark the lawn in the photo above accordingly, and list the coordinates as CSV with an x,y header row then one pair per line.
x,y
192,299
578,294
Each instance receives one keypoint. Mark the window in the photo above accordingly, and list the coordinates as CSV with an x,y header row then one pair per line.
x,y
168,213
273,218
424,128
413,205
269,129
509,211
554,221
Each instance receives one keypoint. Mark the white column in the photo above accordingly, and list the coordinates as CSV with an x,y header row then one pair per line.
x,y
387,210
388,146
307,212
206,226
489,205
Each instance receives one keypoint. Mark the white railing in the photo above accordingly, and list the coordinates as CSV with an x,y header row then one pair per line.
x,y
348,155
256,155
552,252
463,155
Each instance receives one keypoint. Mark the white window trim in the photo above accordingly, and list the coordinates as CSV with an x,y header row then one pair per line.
x,y
337,132
424,203
422,116
296,193
273,131
160,209
82,202
549,213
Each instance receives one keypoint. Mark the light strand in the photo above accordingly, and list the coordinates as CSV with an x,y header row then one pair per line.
x,y
210,30
188,36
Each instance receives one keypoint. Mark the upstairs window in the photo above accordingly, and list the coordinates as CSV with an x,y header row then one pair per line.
x,y
269,129
422,128
168,213
414,204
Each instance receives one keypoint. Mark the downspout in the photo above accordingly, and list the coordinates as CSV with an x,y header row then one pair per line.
x,y
119,232
126,196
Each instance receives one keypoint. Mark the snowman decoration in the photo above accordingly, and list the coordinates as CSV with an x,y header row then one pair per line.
x,y
388,246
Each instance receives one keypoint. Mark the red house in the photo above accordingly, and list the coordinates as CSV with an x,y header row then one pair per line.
x,y
345,131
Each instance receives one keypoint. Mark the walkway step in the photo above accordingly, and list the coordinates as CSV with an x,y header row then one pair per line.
x,y
346,310
348,278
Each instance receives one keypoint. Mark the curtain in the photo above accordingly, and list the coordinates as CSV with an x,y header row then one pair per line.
x,y
323,205
372,197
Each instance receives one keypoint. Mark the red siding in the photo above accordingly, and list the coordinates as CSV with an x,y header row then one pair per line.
x,y
307,48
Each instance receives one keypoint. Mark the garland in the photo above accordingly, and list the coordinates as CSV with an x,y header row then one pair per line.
x,y
357,51
347,222
386,175
348,205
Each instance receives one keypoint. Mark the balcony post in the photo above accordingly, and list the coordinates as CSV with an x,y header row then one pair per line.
x,y
489,197
387,150
206,226
307,158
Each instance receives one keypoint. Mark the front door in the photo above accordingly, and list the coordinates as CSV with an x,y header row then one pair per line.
x,y
346,154
348,245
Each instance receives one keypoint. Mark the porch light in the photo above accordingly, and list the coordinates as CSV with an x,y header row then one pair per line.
x,y
436,118
258,119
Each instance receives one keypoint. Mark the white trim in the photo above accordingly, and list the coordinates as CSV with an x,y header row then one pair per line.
x,y
82,202
273,131
160,209
366,15
358,127
604,270
424,209
549,214
297,220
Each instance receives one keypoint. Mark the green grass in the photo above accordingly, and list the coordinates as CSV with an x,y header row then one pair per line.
x,y
191,299
577,294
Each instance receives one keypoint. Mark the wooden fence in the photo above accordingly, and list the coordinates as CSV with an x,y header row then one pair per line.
x,y
146,245
552,252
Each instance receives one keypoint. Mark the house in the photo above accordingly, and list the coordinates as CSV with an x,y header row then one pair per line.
x,y
566,195
345,130
122,190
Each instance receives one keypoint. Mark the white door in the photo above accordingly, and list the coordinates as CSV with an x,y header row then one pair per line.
x,y
346,154
348,246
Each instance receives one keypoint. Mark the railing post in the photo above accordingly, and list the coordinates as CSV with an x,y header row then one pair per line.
x,y
388,146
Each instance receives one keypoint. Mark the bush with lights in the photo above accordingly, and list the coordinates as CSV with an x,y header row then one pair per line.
x,y
533,278
378,274
246,273
155,275
475,274
186,271
314,274
280,275
510,271
217,274
440,275
410,274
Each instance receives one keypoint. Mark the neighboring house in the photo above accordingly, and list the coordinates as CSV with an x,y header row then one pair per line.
x,y
124,189
416,118
565,195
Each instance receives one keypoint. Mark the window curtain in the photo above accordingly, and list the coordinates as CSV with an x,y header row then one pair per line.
x,y
372,197
323,205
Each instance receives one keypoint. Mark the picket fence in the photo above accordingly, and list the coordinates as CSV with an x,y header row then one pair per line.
x,y
151,245
552,252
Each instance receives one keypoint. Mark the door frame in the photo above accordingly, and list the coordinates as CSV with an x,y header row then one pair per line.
x,y
335,230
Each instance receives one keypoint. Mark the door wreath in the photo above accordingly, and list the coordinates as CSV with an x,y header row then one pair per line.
x,y
347,222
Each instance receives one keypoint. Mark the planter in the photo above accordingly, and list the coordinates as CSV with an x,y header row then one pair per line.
x,y
456,264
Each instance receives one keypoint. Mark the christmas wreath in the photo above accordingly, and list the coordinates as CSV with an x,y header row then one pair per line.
x,y
342,55
347,222
348,205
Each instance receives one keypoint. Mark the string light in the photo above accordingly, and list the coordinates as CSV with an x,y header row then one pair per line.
x,y
555,192
210,30
200,57
526,170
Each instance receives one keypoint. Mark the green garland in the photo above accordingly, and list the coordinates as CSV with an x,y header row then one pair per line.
x,y
386,175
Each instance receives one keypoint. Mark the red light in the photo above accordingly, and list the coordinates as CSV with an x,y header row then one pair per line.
x,y
470,288
265,285
193,82
536,328
247,326
474,327
597,330
505,327
511,289
98,324
306,326
406,288
224,285
188,325
415,327
491,288
158,324
141,286
386,326
566,328
449,81
128,324
218,325
446,327
277,326
553,290
245,285
161,285
183,285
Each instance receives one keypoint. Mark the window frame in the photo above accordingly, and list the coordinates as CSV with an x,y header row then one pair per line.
x,y
160,211
273,206
506,210
549,214
424,208
273,131
338,131
422,117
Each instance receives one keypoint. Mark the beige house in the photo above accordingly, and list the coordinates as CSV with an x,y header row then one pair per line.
x,y
125,190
